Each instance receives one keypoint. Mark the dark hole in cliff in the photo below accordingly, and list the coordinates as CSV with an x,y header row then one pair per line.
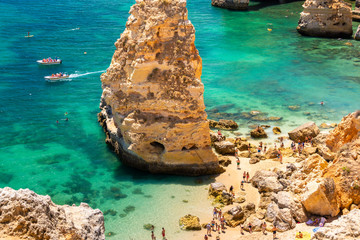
x,y
194,147
158,147
157,55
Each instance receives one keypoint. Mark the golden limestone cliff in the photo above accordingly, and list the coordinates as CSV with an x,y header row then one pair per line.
x,y
152,106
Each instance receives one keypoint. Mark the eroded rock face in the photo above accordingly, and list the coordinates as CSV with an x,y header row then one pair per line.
x,y
152,106
25,214
346,227
321,18
231,4
347,131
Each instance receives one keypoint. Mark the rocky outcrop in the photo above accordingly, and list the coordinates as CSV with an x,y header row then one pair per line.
x,y
190,222
152,106
24,214
345,227
231,4
258,132
321,18
224,147
223,124
266,181
306,130
321,198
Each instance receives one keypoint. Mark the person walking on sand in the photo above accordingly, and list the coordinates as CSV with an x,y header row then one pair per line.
x,y
244,176
238,163
274,232
213,225
250,228
152,235
219,214
215,211
241,229
242,184
163,233
263,227
247,177
208,229
264,149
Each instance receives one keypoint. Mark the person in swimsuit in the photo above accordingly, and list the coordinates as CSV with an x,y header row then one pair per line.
x,y
244,175
274,232
215,211
263,227
247,177
241,229
206,237
242,184
163,233
250,228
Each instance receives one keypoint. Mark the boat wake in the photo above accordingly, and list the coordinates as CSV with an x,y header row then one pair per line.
x,y
76,75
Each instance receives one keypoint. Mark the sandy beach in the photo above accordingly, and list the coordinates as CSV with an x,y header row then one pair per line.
x,y
233,176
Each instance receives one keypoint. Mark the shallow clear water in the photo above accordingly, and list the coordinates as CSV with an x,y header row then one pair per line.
x,y
243,64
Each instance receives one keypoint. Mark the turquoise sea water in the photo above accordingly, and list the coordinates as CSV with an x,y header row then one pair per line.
x,y
244,65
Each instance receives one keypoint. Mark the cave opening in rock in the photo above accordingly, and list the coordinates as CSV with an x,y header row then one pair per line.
x,y
158,147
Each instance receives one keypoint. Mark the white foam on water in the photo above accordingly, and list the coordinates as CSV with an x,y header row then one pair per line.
x,y
76,75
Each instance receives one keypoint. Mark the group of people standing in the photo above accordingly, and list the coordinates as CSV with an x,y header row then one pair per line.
x,y
153,234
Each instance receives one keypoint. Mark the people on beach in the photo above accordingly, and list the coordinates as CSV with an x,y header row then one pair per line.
x,y
208,229
274,229
206,237
238,163
241,229
152,235
250,228
215,212
219,214
163,233
299,235
244,175
247,177
263,228
242,184
213,224
219,135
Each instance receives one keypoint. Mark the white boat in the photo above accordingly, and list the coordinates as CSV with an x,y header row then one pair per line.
x,y
56,77
53,62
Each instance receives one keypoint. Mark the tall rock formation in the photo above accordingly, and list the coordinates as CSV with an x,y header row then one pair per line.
x,y
26,215
152,106
323,18
231,4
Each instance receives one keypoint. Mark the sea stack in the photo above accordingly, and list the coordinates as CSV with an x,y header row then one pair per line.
x,y
322,18
152,106
231,4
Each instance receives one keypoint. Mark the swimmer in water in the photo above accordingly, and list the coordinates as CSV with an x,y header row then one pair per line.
x,y
322,103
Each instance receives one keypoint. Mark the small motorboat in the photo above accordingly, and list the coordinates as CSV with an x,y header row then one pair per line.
x,y
49,61
56,77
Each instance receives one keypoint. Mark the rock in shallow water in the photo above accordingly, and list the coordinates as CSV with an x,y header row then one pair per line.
x,y
231,4
152,106
306,130
322,18
24,214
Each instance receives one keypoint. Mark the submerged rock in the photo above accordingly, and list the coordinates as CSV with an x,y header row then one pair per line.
x,y
152,106
231,4
223,124
322,18
25,214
